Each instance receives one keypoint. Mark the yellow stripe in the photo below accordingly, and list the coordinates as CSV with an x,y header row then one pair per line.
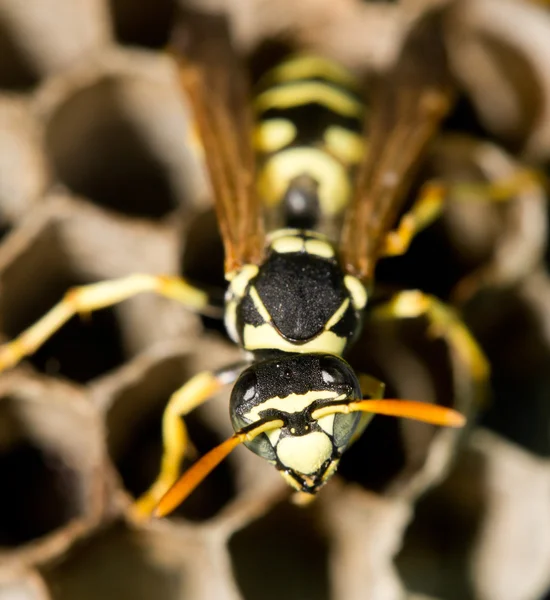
x,y
332,177
357,291
259,305
337,315
284,245
241,279
305,92
319,248
306,66
279,233
273,134
293,403
347,146
265,337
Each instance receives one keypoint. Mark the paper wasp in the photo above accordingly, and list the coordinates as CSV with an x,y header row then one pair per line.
x,y
295,300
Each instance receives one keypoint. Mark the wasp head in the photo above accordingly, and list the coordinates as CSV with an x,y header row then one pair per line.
x,y
306,450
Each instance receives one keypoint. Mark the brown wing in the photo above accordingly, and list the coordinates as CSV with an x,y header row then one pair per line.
x,y
215,85
407,107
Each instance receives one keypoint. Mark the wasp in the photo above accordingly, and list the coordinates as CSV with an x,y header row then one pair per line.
x,y
297,292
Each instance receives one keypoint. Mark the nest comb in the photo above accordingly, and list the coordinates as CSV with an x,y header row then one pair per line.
x,y
98,180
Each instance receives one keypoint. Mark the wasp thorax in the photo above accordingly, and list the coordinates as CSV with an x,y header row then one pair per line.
x,y
298,300
306,450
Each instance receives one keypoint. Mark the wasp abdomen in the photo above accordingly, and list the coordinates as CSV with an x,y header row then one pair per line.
x,y
308,139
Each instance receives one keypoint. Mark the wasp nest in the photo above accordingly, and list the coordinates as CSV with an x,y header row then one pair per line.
x,y
98,179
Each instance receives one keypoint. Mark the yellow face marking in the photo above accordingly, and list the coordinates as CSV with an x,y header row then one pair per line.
x,y
274,134
288,244
357,291
305,66
259,305
347,146
319,248
299,93
331,176
326,423
293,403
273,436
337,315
266,337
305,454
241,280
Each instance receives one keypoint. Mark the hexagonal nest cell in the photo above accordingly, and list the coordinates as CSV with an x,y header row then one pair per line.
x,y
101,177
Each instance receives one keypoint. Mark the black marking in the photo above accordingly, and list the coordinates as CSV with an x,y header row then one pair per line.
x,y
247,313
301,292
317,479
346,326
311,121
301,205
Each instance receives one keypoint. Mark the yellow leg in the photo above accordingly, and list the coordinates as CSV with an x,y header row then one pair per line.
x,y
174,433
371,387
426,208
87,298
500,190
444,322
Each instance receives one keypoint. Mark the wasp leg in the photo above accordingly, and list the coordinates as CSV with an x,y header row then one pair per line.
x,y
426,209
195,392
371,387
443,322
428,206
82,300
499,190
205,465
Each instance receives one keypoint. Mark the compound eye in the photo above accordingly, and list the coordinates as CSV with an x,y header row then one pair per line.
x,y
339,376
333,372
246,387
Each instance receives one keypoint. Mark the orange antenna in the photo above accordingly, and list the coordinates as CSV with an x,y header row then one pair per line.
x,y
205,465
409,409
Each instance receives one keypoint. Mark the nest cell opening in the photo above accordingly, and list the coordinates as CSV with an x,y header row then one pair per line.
x,y
146,25
202,260
134,425
100,151
115,564
83,348
283,554
5,228
203,256
435,557
429,264
516,343
16,70
41,492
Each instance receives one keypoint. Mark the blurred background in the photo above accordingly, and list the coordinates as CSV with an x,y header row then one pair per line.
x,y
99,178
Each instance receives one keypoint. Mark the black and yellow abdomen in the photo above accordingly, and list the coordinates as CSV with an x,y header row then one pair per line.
x,y
308,139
